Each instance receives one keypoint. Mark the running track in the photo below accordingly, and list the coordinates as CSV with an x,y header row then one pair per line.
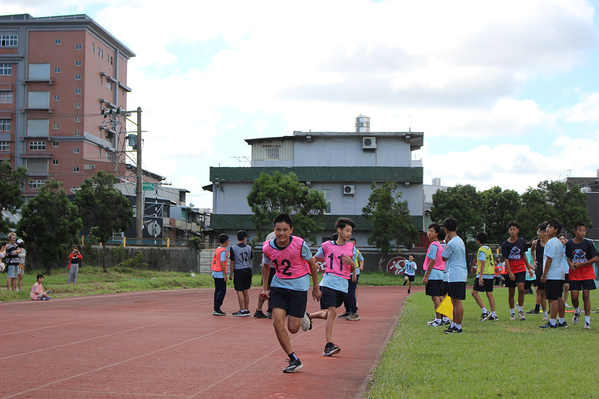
x,y
167,344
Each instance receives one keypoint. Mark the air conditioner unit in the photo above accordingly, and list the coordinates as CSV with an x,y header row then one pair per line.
x,y
368,143
349,189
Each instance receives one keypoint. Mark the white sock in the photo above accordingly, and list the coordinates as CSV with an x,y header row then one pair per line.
x,y
452,324
445,318
520,308
493,313
561,320
512,311
552,322
484,310
544,313
437,321
587,319
458,326
578,310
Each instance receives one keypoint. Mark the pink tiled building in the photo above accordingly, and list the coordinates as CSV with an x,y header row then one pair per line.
x,y
58,75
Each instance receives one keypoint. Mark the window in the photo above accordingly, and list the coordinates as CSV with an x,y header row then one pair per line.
x,y
77,91
109,85
37,146
77,77
55,144
110,60
55,162
108,155
56,98
56,70
107,58
5,69
4,125
8,40
35,184
4,145
271,152
78,47
55,126
101,53
77,105
76,150
38,127
328,198
77,63
5,97
57,41
76,169
93,48
37,167
39,71
77,119
77,133
38,99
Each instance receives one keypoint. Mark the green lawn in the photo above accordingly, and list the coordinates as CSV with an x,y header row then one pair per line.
x,y
490,359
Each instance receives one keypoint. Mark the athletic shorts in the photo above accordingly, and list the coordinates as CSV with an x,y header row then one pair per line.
x,y
12,271
520,278
529,283
410,278
331,298
486,287
457,290
242,279
554,289
445,288
567,279
540,285
435,288
577,285
294,302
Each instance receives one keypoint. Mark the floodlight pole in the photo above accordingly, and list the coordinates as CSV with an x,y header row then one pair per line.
x,y
139,214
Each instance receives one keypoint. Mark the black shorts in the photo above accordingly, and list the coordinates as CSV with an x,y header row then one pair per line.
x,y
242,279
486,287
435,288
294,302
520,278
445,288
577,285
529,283
457,290
567,279
554,289
410,278
331,298
540,285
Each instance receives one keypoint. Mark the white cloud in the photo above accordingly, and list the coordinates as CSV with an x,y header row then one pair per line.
x,y
587,109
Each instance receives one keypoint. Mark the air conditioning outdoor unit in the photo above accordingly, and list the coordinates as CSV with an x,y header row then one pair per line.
x,y
368,143
349,189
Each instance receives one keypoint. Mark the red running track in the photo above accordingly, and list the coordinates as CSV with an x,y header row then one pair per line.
x,y
167,344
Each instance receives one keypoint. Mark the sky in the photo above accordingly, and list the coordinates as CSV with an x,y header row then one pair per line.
x,y
506,93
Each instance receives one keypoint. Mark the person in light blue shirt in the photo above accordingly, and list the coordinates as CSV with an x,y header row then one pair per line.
x,y
409,270
563,240
553,275
454,256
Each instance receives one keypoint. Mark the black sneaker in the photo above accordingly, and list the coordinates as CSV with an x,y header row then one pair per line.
x,y
245,313
548,325
457,330
533,312
294,365
239,313
408,290
447,322
218,312
485,316
269,315
562,325
344,315
260,315
330,349
449,330
493,318
405,282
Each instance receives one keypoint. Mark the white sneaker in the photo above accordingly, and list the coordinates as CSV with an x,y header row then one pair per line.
x,y
566,305
521,315
512,316
546,316
306,322
575,318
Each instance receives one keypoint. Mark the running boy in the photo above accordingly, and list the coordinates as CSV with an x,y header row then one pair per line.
x,y
409,270
514,252
553,275
434,267
241,268
351,302
581,256
339,256
289,287
484,278
454,256
219,274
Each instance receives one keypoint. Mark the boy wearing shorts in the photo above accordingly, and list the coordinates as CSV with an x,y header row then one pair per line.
x,y
339,257
454,256
566,266
514,252
434,267
351,302
289,287
409,270
484,278
219,274
241,269
581,256
553,275
267,270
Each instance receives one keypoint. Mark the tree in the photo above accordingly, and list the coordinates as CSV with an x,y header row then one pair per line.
x,y
283,193
11,182
103,208
52,222
392,224
499,208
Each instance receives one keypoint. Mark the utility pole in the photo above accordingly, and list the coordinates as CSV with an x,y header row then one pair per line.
x,y
139,216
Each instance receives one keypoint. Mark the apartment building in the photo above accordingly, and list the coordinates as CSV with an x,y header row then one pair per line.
x,y
59,77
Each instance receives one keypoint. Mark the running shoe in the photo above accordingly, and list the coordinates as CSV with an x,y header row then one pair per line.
x,y
545,316
268,314
306,322
563,325
449,330
330,349
435,323
353,317
548,325
294,365
260,315
245,313
534,311
566,305
344,315
512,316
485,316
218,312
447,322
521,315
576,318
493,318
239,313
587,325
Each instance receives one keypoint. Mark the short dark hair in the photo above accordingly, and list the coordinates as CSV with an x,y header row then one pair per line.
x,y
353,240
341,223
561,235
555,223
577,225
435,226
241,234
542,226
223,238
441,235
451,224
513,223
283,218
482,237
39,276
335,236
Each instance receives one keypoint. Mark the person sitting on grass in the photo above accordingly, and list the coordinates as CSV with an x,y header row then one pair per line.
x,y
37,291
484,277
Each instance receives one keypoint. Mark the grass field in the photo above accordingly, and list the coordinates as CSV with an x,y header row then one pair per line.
x,y
490,359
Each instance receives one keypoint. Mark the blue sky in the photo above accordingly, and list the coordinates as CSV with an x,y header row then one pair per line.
x,y
506,93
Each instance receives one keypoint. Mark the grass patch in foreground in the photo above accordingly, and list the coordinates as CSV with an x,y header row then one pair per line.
x,y
490,359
